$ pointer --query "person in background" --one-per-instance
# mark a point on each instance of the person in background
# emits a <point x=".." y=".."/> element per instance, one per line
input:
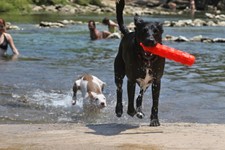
<point x="95" y="34"/>
<point x="172" y="5"/>
<point x="111" y="25"/>
<point x="192" y="7"/>
<point x="5" y="40"/>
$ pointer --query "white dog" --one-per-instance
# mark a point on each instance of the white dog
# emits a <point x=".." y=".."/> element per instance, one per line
<point x="91" y="89"/>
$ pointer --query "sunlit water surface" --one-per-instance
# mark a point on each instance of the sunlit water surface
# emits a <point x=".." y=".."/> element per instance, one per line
<point x="37" y="88"/>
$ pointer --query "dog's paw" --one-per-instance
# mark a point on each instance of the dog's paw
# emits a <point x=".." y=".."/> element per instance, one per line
<point x="119" y="109"/>
<point x="73" y="102"/>
<point x="131" y="113"/>
<point x="154" y="123"/>
<point x="140" y="115"/>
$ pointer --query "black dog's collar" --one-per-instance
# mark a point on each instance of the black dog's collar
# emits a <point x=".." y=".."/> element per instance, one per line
<point x="146" y="57"/>
<point x="146" y="60"/>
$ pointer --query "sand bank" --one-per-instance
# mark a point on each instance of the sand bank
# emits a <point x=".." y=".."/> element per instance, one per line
<point x="169" y="136"/>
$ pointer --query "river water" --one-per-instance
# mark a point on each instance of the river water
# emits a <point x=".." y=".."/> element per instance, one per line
<point x="37" y="88"/>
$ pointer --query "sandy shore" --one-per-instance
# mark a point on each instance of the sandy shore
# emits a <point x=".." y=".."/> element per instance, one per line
<point x="168" y="136"/>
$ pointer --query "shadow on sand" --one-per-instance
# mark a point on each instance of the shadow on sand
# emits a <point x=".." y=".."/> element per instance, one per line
<point x="109" y="129"/>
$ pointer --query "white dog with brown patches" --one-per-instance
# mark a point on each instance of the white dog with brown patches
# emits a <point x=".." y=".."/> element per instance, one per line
<point x="91" y="89"/>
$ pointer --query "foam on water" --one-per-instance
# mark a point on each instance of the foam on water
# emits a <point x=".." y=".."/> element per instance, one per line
<point x="54" y="98"/>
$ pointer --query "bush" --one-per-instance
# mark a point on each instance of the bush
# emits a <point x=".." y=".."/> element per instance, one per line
<point x="23" y="5"/>
<point x="82" y="2"/>
<point x="86" y="2"/>
<point x="42" y="2"/>
<point x="60" y="2"/>
<point x="14" y="5"/>
<point x="6" y="7"/>
<point x="20" y="4"/>
<point x="96" y="2"/>
<point x="49" y="2"/>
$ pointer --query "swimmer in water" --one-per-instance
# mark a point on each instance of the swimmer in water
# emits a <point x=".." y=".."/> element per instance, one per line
<point x="111" y="25"/>
<point x="5" y="40"/>
<point x="95" y="34"/>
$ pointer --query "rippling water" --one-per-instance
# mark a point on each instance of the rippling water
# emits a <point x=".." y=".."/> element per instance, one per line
<point x="37" y="88"/>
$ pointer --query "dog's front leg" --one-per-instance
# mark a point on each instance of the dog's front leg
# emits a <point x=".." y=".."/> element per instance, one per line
<point x="155" y="96"/>
<point x="119" y="70"/>
<point x="131" y="93"/>
<point x="119" y="93"/>
<point x="75" y="89"/>
<point x="139" y="100"/>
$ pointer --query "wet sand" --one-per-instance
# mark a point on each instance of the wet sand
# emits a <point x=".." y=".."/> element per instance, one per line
<point x="169" y="136"/>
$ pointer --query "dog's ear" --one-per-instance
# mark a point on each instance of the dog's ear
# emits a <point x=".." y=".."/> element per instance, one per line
<point x="137" y="20"/>
<point x="103" y="86"/>
<point x="160" y="27"/>
<point x="93" y="95"/>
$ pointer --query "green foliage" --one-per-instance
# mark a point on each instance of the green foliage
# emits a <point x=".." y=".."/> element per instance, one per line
<point x="82" y="2"/>
<point x="14" y="5"/>
<point x="96" y="2"/>
<point x="60" y="2"/>
<point x="5" y="7"/>
<point x="42" y="2"/>
<point x="86" y="2"/>
<point x="49" y="2"/>
<point x="23" y="5"/>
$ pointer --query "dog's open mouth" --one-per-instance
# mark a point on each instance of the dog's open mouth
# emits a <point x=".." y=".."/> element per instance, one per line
<point x="101" y="106"/>
<point x="145" y="45"/>
<point x="149" y="43"/>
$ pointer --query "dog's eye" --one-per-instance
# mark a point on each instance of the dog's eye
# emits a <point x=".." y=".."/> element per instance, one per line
<point x="96" y="99"/>
<point x="155" y="30"/>
<point x="145" y="30"/>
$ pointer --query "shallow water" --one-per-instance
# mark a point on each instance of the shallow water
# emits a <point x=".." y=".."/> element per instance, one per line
<point x="37" y="88"/>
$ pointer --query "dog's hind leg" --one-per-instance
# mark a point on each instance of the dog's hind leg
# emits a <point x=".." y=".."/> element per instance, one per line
<point x="119" y="70"/>
<point x="131" y="93"/>
<point x="76" y="87"/>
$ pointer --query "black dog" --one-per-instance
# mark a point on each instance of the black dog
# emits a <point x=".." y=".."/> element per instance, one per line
<point x="139" y="66"/>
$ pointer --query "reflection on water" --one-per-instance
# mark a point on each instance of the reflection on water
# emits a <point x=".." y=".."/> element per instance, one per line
<point x="37" y="88"/>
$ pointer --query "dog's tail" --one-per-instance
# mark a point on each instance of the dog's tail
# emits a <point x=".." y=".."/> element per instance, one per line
<point x="119" y="16"/>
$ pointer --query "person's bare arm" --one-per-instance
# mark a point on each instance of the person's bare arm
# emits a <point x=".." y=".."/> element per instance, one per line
<point x="113" y="23"/>
<point x="12" y="45"/>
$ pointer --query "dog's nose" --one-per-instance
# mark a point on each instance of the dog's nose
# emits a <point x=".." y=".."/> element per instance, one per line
<point x="151" y="42"/>
<point x="102" y="104"/>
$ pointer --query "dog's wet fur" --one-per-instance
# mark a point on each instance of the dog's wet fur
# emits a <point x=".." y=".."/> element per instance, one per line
<point x="91" y="88"/>
<point x="138" y="66"/>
